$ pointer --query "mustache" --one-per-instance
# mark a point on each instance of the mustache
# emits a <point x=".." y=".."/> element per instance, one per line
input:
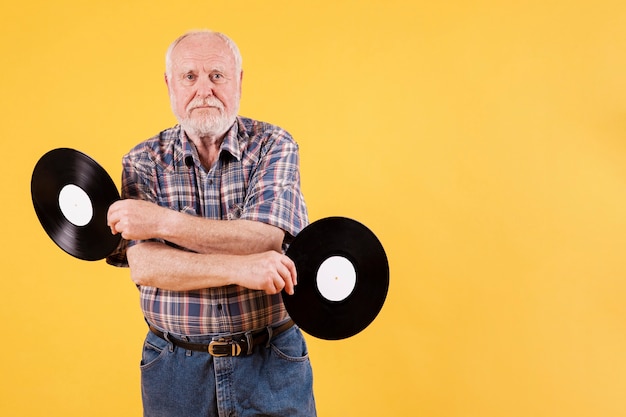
<point x="205" y="102"/>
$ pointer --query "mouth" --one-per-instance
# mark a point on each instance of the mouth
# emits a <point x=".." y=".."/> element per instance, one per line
<point x="204" y="108"/>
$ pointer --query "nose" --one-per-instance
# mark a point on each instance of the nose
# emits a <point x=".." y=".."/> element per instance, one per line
<point x="204" y="87"/>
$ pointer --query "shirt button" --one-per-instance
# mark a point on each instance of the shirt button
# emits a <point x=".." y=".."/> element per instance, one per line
<point x="219" y="307"/>
<point x="210" y="182"/>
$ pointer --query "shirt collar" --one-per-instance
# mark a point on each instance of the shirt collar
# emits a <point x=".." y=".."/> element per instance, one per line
<point x="230" y="144"/>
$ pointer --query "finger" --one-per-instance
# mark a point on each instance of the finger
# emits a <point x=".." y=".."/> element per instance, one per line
<point x="273" y="287"/>
<point x="112" y="216"/>
<point x="112" y="222"/>
<point x="279" y="282"/>
<point x="114" y="206"/>
<point x="288" y="286"/>
<point x="291" y="273"/>
<point x="286" y="277"/>
<point x="292" y="269"/>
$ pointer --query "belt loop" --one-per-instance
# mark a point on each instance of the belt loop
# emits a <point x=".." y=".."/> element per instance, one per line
<point x="270" y="332"/>
<point x="250" y="341"/>
<point x="186" y="339"/>
<point x="166" y="336"/>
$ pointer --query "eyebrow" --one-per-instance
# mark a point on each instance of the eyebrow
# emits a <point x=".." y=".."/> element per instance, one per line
<point x="187" y="70"/>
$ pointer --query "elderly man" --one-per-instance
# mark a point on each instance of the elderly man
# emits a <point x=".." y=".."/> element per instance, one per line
<point x="208" y="208"/>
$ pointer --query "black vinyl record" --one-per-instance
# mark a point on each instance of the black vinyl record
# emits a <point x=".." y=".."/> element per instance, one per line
<point x="71" y="194"/>
<point x="343" y="278"/>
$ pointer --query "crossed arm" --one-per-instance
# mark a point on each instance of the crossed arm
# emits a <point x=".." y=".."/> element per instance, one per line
<point x="241" y="252"/>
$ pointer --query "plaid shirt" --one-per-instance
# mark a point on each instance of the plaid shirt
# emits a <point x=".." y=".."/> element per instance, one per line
<point x="256" y="177"/>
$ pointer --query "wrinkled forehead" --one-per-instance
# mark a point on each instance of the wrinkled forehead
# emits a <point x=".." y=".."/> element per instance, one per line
<point x="204" y="50"/>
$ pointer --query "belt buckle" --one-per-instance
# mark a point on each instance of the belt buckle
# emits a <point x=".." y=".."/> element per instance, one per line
<point x="222" y="347"/>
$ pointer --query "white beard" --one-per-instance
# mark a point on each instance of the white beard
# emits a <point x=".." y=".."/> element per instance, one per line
<point x="209" y="125"/>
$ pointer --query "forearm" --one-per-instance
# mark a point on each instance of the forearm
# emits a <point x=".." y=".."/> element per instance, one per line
<point x="158" y="265"/>
<point x="237" y="237"/>
<point x="142" y="220"/>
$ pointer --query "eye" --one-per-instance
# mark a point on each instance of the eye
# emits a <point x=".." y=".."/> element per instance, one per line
<point x="189" y="77"/>
<point x="217" y="77"/>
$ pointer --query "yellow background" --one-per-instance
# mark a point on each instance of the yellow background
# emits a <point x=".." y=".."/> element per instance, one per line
<point x="482" y="141"/>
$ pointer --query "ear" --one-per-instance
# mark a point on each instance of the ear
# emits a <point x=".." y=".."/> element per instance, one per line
<point x="240" y="81"/>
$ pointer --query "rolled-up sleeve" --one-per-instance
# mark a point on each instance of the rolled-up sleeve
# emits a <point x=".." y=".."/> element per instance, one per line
<point x="274" y="193"/>
<point x="136" y="184"/>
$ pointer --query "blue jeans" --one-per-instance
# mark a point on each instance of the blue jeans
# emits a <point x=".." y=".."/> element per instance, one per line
<point x="275" y="380"/>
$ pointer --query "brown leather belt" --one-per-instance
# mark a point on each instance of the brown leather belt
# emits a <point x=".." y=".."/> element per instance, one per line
<point x="235" y="345"/>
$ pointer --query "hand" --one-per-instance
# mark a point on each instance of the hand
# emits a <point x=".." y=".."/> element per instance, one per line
<point x="268" y="271"/>
<point x="135" y="219"/>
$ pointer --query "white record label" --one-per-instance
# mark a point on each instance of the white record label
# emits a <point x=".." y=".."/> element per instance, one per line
<point x="336" y="278"/>
<point x="75" y="205"/>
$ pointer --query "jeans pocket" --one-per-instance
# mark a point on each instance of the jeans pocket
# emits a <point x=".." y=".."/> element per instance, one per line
<point x="290" y="346"/>
<point x="154" y="348"/>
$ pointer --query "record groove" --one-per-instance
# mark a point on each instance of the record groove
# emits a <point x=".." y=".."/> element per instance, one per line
<point x="343" y="278"/>
<point x="71" y="195"/>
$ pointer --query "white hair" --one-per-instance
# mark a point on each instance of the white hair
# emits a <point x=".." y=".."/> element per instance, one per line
<point x="231" y="45"/>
